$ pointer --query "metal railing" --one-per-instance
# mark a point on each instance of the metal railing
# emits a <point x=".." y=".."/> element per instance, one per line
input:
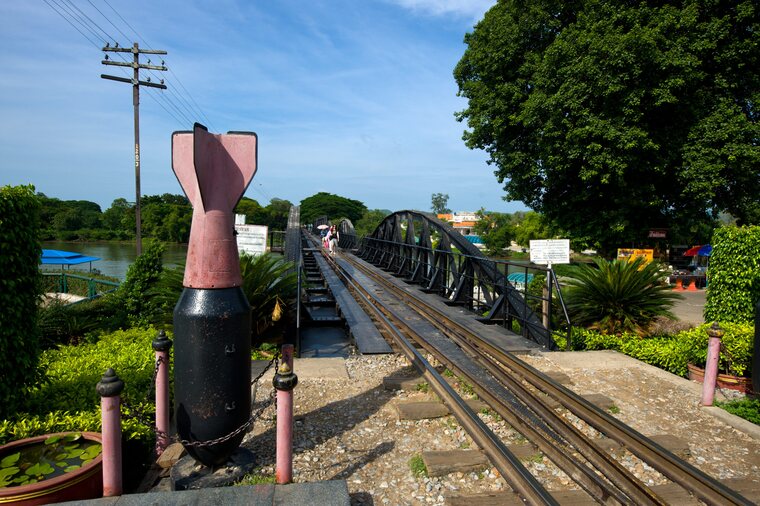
<point x="500" y="291"/>
<point x="84" y="286"/>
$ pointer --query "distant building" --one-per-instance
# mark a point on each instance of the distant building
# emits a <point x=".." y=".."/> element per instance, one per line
<point x="463" y="222"/>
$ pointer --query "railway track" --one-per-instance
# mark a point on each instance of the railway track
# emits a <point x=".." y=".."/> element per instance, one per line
<point x="520" y="394"/>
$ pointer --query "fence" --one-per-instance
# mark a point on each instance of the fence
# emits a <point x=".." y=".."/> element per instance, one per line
<point x="89" y="287"/>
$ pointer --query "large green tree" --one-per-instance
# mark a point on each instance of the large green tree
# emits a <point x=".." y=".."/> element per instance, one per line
<point x="496" y="231"/>
<point x="611" y="118"/>
<point x="369" y="221"/>
<point x="332" y="206"/>
<point x="439" y="203"/>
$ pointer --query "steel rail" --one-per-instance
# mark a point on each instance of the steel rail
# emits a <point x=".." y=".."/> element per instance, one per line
<point x="632" y="491"/>
<point x="684" y="474"/>
<point x="510" y="467"/>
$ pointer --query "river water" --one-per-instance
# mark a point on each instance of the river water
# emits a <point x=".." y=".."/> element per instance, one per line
<point x="115" y="257"/>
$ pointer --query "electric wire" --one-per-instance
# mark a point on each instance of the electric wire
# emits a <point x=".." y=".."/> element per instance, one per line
<point x="69" y="22"/>
<point x="73" y="5"/>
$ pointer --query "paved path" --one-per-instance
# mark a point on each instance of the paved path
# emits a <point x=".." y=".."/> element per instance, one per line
<point x="690" y="308"/>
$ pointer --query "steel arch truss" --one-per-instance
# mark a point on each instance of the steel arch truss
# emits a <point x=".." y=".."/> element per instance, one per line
<point x="347" y="235"/>
<point x="423" y="250"/>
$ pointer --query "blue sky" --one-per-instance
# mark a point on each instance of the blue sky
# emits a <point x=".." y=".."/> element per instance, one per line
<point x="351" y="97"/>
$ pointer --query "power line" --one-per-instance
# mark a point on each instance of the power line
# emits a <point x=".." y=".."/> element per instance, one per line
<point x="69" y="22"/>
<point x="109" y="20"/>
<point x="90" y="20"/>
<point x="170" y="113"/>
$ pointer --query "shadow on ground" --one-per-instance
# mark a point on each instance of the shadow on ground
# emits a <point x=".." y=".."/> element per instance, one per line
<point x="328" y="422"/>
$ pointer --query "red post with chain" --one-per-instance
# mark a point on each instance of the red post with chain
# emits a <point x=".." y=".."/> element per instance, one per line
<point x="285" y="381"/>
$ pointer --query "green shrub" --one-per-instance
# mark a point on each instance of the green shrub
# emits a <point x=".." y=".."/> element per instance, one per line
<point x="734" y="275"/>
<point x="673" y="353"/>
<point x="618" y="296"/>
<point x="141" y="276"/>
<point x="20" y="287"/>
<point x="736" y="347"/>
<point x="65" y="398"/>
<point x="69" y="324"/>
<point x="747" y="408"/>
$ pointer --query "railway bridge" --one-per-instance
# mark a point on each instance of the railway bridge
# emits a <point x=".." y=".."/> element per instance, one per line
<point x="417" y="287"/>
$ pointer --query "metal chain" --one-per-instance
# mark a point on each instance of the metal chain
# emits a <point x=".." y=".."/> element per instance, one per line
<point x="251" y="419"/>
<point x="141" y="417"/>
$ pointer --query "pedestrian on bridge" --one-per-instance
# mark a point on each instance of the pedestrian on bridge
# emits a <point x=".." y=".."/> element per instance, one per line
<point x="333" y="237"/>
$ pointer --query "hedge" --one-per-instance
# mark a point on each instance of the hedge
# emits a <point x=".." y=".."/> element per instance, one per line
<point x="734" y="275"/>
<point x="673" y="353"/>
<point x="19" y="291"/>
<point x="65" y="398"/>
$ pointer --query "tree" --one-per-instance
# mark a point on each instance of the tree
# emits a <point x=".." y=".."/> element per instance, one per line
<point x="249" y="207"/>
<point x="332" y="206"/>
<point x="119" y="218"/>
<point x="369" y="221"/>
<point x="612" y="118"/>
<point x="529" y="226"/>
<point x="495" y="229"/>
<point x="438" y="203"/>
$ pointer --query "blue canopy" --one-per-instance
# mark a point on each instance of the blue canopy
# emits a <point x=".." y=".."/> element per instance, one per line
<point x="58" y="257"/>
<point x="704" y="251"/>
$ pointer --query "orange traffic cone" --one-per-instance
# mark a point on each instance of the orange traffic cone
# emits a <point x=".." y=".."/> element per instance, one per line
<point x="679" y="284"/>
<point x="692" y="285"/>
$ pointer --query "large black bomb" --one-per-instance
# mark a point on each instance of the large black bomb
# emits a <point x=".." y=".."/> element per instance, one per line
<point x="212" y="319"/>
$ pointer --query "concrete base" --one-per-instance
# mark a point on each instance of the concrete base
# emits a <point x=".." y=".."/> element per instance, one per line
<point x="188" y="474"/>
<point x="323" y="493"/>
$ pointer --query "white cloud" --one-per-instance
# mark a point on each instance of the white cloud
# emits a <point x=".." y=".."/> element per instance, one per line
<point x="466" y="8"/>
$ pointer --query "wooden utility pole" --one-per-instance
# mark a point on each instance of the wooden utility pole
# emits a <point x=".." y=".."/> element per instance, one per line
<point x="136" y="83"/>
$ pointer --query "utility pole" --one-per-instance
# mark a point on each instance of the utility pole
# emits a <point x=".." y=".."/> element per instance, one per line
<point x="136" y="83"/>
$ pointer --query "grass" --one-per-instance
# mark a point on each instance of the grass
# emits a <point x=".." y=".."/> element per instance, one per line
<point x="423" y="387"/>
<point x="614" y="409"/>
<point x="746" y="408"/>
<point x="538" y="458"/>
<point x="417" y="465"/>
<point x="256" y="478"/>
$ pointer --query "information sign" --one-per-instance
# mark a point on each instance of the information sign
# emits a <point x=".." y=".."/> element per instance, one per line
<point x="550" y="251"/>
<point x="252" y="239"/>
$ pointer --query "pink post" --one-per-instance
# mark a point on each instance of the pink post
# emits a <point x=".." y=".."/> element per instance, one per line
<point x="711" y="367"/>
<point x="162" y="345"/>
<point x="109" y="387"/>
<point x="284" y="381"/>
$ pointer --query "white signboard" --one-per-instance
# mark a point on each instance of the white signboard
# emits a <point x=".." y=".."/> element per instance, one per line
<point x="550" y="251"/>
<point x="252" y="238"/>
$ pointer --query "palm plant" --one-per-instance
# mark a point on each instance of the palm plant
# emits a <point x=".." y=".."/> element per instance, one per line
<point x="267" y="280"/>
<point x="618" y="296"/>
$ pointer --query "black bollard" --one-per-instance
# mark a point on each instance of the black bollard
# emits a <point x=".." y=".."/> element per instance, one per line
<point x="212" y="322"/>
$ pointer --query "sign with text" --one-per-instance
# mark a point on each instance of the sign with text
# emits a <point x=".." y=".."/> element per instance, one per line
<point x="632" y="253"/>
<point x="550" y="251"/>
<point x="252" y="239"/>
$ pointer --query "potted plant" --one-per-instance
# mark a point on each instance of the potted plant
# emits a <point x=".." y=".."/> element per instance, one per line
<point x="734" y="365"/>
<point x="65" y="466"/>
